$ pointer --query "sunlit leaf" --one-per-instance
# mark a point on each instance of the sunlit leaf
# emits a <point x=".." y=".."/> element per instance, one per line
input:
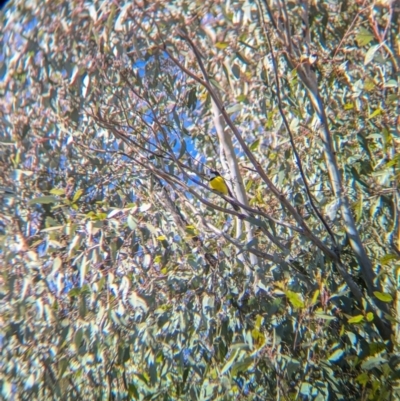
<point x="336" y="355"/>
<point x="383" y="297"/>
<point x="43" y="200"/>
<point x="356" y="319"/>
<point x="371" y="53"/>
<point x="363" y="37"/>
<point x="295" y="299"/>
<point x="221" y="45"/>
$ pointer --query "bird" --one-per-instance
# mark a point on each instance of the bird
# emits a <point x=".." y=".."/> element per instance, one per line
<point x="217" y="183"/>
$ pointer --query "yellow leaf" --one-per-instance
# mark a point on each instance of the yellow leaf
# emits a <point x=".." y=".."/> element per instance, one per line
<point x="77" y="195"/>
<point x="259" y="320"/>
<point x="375" y="113"/>
<point x="348" y="106"/>
<point x="370" y="316"/>
<point x="356" y="319"/>
<point x="384" y="297"/>
<point x="315" y="297"/>
<point x="362" y="378"/>
<point x="57" y="191"/>
<point x="295" y="299"/>
<point x="221" y="45"/>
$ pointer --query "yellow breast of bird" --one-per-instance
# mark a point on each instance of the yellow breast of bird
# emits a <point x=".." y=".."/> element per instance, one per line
<point x="218" y="184"/>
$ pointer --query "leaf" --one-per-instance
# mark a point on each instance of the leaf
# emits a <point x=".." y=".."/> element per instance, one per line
<point x="74" y="292"/>
<point x="392" y="83"/>
<point x="348" y="106"/>
<point x="233" y="109"/>
<point x="57" y="263"/>
<point x="62" y="366"/>
<point x="132" y="391"/>
<point x="324" y="316"/>
<point x="113" y="213"/>
<point x="356" y="319"/>
<point x="145" y="207"/>
<point x="57" y="191"/>
<point x="44" y="200"/>
<point x="241" y="366"/>
<point x="363" y="37"/>
<point x="371" y="53"/>
<point x="336" y="355"/>
<point x="369" y="84"/>
<point x="221" y="45"/>
<point x="370" y="316"/>
<point x="77" y="195"/>
<point x="372" y="362"/>
<point x="315" y="297"/>
<point x="358" y="208"/>
<point x="78" y="338"/>
<point x="255" y="144"/>
<point x="377" y="112"/>
<point x="384" y="297"/>
<point x="132" y="223"/>
<point x="363" y="378"/>
<point x="295" y="299"/>
<point x="388" y="258"/>
<point x="230" y="361"/>
<point x="138" y="302"/>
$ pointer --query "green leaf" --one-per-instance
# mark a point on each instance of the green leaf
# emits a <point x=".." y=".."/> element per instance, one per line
<point x="62" y="366"/>
<point x="315" y="297"/>
<point x="363" y="378"/>
<point x="384" y="297"/>
<point x="358" y="208"/>
<point x="138" y="302"/>
<point x="233" y="109"/>
<point x="44" y="200"/>
<point x="74" y="292"/>
<point x="78" y="338"/>
<point x="371" y="53"/>
<point x="221" y="45"/>
<point x="132" y="391"/>
<point x="392" y="83"/>
<point x="388" y="258"/>
<point x="132" y="223"/>
<point x="336" y="355"/>
<point x="356" y="319"/>
<point x="363" y="37"/>
<point x="57" y="263"/>
<point x="241" y="366"/>
<point x="370" y="316"/>
<point x="57" y="191"/>
<point x="377" y="112"/>
<point x="77" y="195"/>
<point x="295" y="299"/>
<point x="373" y="362"/>
<point x="230" y="361"/>
<point x="254" y="146"/>
<point x="324" y="316"/>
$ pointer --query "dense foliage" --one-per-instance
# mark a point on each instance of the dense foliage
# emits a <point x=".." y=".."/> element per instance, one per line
<point x="124" y="276"/>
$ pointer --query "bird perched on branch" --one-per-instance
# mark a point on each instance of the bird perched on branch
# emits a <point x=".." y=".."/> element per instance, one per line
<point x="217" y="183"/>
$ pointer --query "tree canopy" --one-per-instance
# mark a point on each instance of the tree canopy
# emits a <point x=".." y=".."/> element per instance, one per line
<point x="124" y="276"/>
